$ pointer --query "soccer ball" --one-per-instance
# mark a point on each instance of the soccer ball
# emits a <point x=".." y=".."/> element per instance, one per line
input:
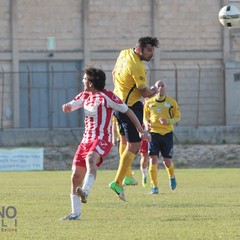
<point x="229" y="16"/>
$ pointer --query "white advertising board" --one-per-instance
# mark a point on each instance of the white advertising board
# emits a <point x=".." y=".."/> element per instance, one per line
<point x="21" y="159"/>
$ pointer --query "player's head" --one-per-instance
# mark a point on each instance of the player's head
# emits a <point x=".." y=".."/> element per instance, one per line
<point x="144" y="41"/>
<point x="95" y="77"/>
<point x="161" y="88"/>
<point x="145" y="47"/>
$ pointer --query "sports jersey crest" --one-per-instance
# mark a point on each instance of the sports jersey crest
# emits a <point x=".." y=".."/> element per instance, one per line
<point x="103" y="144"/>
<point x="167" y="104"/>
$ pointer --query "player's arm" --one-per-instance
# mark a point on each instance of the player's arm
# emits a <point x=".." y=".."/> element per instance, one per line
<point x="76" y="103"/>
<point x="115" y="103"/>
<point x="169" y="120"/>
<point x="139" y="77"/>
<point x="146" y="117"/>
<point x="176" y="116"/>
<point x="148" y="91"/>
<point x="114" y="132"/>
<point x="66" y="107"/>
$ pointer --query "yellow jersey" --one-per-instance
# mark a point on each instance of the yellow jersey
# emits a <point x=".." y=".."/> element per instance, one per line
<point x="129" y="77"/>
<point x="156" y="108"/>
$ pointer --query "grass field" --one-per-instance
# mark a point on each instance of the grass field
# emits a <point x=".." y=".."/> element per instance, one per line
<point x="206" y="205"/>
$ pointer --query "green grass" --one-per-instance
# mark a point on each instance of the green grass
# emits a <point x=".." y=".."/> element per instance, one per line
<point x="205" y="205"/>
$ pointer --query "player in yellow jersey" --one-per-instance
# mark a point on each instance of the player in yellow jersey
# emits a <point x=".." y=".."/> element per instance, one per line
<point x="161" y="112"/>
<point x="143" y="152"/>
<point x="130" y="85"/>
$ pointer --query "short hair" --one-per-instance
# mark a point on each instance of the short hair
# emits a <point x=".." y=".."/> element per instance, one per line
<point x="97" y="77"/>
<point x="143" y="41"/>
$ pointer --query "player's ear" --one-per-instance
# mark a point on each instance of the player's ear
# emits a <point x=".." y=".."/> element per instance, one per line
<point x="138" y="49"/>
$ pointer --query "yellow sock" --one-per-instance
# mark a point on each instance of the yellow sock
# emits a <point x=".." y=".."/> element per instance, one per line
<point x="129" y="172"/>
<point x="125" y="163"/>
<point x="153" y="171"/>
<point x="170" y="170"/>
<point x="122" y="147"/>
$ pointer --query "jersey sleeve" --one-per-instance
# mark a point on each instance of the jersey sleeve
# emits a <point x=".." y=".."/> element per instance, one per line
<point x="139" y="75"/>
<point x="176" y="114"/>
<point x="77" y="102"/>
<point x="114" y="102"/>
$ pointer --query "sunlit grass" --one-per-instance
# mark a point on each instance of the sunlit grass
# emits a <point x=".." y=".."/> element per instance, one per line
<point x="205" y="205"/>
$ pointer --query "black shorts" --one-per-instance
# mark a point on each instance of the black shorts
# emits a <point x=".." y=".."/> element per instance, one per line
<point x="161" y="143"/>
<point x="126" y="127"/>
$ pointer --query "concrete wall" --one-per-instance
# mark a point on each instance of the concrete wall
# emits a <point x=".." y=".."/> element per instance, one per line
<point x="193" y="46"/>
<point x="69" y="137"/>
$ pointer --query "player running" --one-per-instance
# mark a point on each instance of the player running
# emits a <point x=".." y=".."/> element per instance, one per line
<point x="98" y="104"/>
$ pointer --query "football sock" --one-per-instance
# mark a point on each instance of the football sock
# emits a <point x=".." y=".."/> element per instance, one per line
<point x="75" y="204"/>
<point x="144" y="171"/>
<point x="125" y="163"/>
<point x="88" y="182"/>
<point x="170" y="170"/>
<point x="129" y="172"/>
<point x="122" y="147"/>
<point x="153" y="171"/>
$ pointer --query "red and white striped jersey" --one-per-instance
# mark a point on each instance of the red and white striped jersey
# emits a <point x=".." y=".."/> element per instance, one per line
<point x="98" y="109"/>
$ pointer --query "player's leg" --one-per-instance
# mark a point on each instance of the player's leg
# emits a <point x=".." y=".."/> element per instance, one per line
<point x="128" y="180"/>
<point x="167" y="153"/>
<point x="96" y="151"/>
<point x="154" y="149"/>
<point x="153" y="173"/>
<point x="122" y="146"/>
<point x="133" y="145"/>
<point x="133" y="141"/>
<point x="144" y="168"/>
<point x="125" y="163"/>
<point x="91" y="161"/>
<point x="169" y="166"/>
<point x="127" y="157"/>
<point x="78" y="174"/>
<point x="126" y="160"/>
<point x="144" y="162"/>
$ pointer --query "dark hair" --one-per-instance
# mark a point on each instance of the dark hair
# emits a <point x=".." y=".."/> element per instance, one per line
<point x="143" y="41"/>
<point x="97" y="77"/>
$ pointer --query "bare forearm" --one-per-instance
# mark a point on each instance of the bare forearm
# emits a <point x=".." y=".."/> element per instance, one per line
<point x="149" y="91"/>
<point x="169" y="121"/>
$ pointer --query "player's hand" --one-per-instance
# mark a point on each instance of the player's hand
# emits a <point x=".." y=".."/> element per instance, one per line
<point x="66" y="107"/>
<point x="148" y="127"/>
<point x="114" y="140"/>
<point x="163" y="120"/>
<point x="154" y="90"/>
<point x="145" y="135"/>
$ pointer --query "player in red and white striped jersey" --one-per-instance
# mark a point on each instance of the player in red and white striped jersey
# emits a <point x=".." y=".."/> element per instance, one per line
<point x="98" y="104"/>
<point x="98" y="113"/>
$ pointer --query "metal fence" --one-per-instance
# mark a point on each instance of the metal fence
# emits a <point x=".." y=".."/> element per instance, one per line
<point x="199" y="91"/>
